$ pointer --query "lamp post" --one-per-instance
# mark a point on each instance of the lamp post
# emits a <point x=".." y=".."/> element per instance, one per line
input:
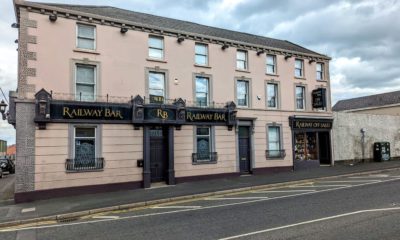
<point x="3" y="107"/>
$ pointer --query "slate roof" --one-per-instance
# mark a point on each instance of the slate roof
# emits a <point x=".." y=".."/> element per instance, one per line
<point x="377" y="100"/>
<point x="184" y="26"/>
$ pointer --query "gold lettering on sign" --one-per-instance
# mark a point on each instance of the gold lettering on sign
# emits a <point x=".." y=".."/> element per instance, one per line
<point x="162" y="114"/>
<point x="95" y="113"/>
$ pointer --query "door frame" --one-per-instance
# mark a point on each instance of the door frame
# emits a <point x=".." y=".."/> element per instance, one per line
<point x="170" y="179"/>
<point x="245" y="122"/>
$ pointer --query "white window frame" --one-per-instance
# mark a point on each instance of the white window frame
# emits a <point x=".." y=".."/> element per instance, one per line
<point x="245" y="61"/>
<point x="161" y="49"/>
<point x="301" y="69"/>
<point x="200" y="54"/>
<point x="276" y="87"/>
<point x="319" y="74"/>
<point x="77" y="95"/>
<point x="149" y="86"/>
<point x="303" y="98"/>
<point x="273" y="65"/>
<point x="208" y="91"/>
<point x="79" y="37"/>
<point x="247" y="93"/>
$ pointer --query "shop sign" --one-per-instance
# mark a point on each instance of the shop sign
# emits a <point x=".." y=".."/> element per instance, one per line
<point x="319" y="98"/>
<point x="194" y="115"/>
<point x="95" y="112"/>
<point x="311" y="123"/>
<point x="159" y="114"/>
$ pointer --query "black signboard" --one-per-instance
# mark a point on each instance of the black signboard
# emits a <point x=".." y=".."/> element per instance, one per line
<point x="319" y="98"/>
<point x="206" y="115"/>
<point x="159" y="114"/>
<point x="308" y="123"/>
<point x="81" y="111"/>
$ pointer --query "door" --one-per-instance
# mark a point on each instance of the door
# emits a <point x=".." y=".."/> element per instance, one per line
<point x="244" y="149"/>
<point x="158" y="154"/>
<point x="324" y="148"/>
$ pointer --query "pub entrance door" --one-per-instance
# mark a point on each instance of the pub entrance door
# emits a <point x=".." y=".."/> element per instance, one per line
<point x="158" y="153"/>
<point x="244" y="149"/>
<point x="324" y="148"/>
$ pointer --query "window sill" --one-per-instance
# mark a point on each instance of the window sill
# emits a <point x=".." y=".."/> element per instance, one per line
<point x="202" y="66"/>
<point x="242" y="107"/>
<point x="80" y="50"/>
<point x="201" y="162"/>
<point x="322" y="81"/>
<point x="273" y="109"/>
<point x="242" y="70"/>
<point x="300" y="78"/>
<point x="271" y="74"/>
<point x="83" y="171"/>
<point x="300" y="110"/>
<point x="156" y="60"/>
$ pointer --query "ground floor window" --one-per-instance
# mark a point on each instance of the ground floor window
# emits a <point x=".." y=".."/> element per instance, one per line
<point x="274" y="141"/>
<point x="306" y="147"/>
<point x="203" y="145"/>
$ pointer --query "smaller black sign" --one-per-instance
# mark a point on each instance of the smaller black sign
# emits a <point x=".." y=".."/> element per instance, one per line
<point x="304" y="123"/>
<point x="159" y="114"/>
<point x="319" y="98"/>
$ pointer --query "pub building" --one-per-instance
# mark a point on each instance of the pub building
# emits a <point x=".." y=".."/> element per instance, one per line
<point x="111" y="99"/>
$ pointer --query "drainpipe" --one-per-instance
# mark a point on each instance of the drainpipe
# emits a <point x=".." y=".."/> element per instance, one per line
<point x="363" y="131"/>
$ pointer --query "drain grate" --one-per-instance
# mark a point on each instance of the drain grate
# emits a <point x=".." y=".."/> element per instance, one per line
<point x="67" y="220"/>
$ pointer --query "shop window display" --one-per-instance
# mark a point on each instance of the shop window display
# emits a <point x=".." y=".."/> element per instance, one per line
<point x="306" y="146"/>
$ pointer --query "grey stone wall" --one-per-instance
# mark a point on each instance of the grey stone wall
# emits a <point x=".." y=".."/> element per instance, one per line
<point x="347" y="134"/>
<point x="25" y="144"/>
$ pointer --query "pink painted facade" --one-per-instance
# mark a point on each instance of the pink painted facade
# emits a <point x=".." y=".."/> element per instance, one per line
<point x="122" y="64"/>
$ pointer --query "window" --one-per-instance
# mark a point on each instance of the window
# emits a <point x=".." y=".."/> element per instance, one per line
<point x="156" y="87"/>
<point x="84" y="150"/>
<point x="271" y="64"/>
<point x="202" y="91"/>
<point x="201" y="54"/>
<point x="204" y="146"/>
<point x="274" y="141"/>
<point x="85" y="80"/>
<point x="241" y="59"/>
<point x="299" y="68"/>
<point x="242" y="93"/>
<point x="272" y="95"/>
<point x="320" y="71"/>
<point x="86" y="37"/>
<point x="156" y="47"/>
<point x="300" y="100"/>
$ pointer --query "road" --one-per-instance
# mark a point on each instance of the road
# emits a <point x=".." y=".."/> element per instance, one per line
<point x="358" y="207"/>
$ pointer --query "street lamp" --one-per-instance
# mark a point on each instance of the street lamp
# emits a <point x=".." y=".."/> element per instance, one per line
<point x="3" y="107"/>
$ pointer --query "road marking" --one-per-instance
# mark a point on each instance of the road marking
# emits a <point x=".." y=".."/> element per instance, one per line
<point x="350" y="181"/>
<point x="234" y="198"/>
<point x="284" y="191"/>
<point x="183" y="207"/>
<point x="187" y="210"/>
<point x="320" y="186"/>
<point x="311" y="221"/>
<point x="105" y="217"/>
<point x="26" y="210"/>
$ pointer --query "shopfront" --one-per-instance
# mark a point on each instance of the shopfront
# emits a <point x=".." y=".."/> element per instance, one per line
<point x="311" y="141"/>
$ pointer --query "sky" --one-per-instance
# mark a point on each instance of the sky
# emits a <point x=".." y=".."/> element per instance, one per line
<point x="361" y="37"/>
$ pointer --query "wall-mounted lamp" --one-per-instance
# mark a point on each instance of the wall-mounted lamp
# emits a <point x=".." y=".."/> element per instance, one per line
<point x="258" y="97"/>
<point x="288" y="56"/>
<point x="124" y="30"/>
<point x="181" y="39"/>
<point x="311" y="61"/>
<point x="53" y="18"/>
<point x="3" y="107"/>
<point x="260" y="52"/>
<point x="225" y="46"/>
<point x="15" y="25"/>
<point x="16" y="41"/>
<point x="176" y="81"/>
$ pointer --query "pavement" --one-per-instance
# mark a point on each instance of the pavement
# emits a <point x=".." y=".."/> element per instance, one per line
<point x="7" y="187"/>
<point x="77" y="206"/>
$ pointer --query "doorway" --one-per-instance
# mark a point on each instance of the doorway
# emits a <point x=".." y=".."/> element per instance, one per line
<point x="324" y="148"/>
<point x="244" y="149"/>
<point x="158" y="153"/>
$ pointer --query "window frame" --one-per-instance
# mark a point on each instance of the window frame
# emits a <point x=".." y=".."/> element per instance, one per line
<point x="94" y="36"/>
<point x="212" y="148"/>
<point x="248" y="81"/>
<point x="281" y="149"/>
<point x="274" y="66"/>
<point x="151" y="71"/>
<point x="159" y="49"/>
<point x="301" y="69"/>
<point x="245" y="61"/>
<point x="77" y="95"/>
<point x="304" y="97"/>
<point x="202" y="55"/>
<point x="208" y="91"/>
<point x="277" y="95"/>
<point x="322" y="72"/>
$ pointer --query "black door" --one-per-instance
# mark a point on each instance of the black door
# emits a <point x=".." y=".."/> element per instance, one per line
<point x="244" y="149"/>
<point x="158" y="154"/>
<point x="324" y="148"/>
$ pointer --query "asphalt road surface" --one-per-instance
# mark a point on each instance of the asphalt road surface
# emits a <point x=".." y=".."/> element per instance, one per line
<point x="359" y="207"/>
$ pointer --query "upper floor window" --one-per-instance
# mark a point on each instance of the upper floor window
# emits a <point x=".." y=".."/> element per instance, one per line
<point x="271" y="64"/>
<point x="320" y="71"/>
<point x="201" y="54"/>
<point x="156" y="87"/>
<point x="202" y="91"/>
<point x="300" y="98"/>
<point x="299" y="68"/>
<point x="241" y="60"/>
<point x="85" y="80"/>
<point x="86" y="37"/>
<point x="156" y="47"/>
<point x="272" y="95"/>
<point x="242" y="93"/>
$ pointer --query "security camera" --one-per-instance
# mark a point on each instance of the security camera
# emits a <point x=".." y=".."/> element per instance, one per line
<point x="258" y="97"/>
